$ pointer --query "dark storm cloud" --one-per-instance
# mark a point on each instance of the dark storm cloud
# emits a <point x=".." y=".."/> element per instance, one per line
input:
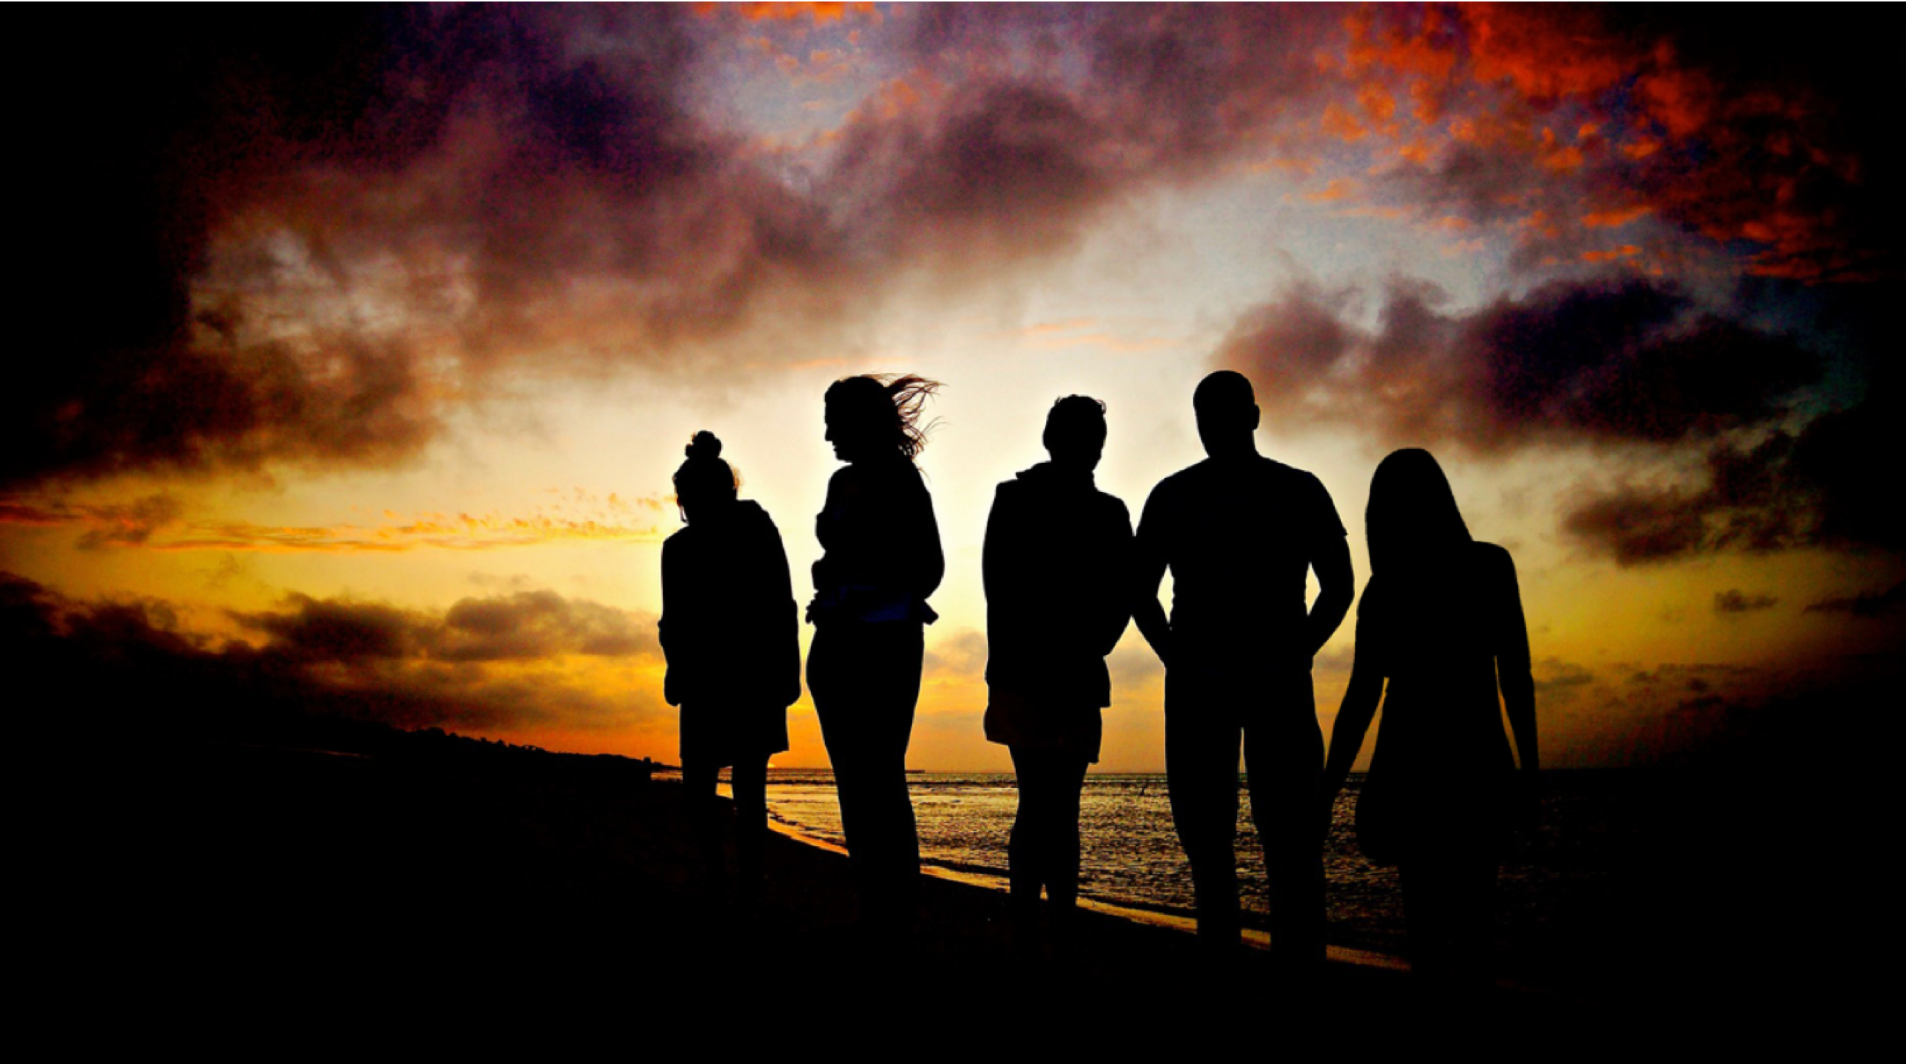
<point x="1824" y="484"/>
<point x="532" y="624"/>
<point x="1878" y="602"/>
<point x="1621" y="359"/>
<point x="314" y="630"/>
<point x="1612" y="364"/>
<point x="1031" y="121"/>
<point x="1770" y="133"/>
<point x="132" y="664"/>
<point x="227" y="211"/>
<point x="522" y="626"/>
<point x="529" y="147"/>
<point x="219" y="196"/>
<point x="1733" y="600"/>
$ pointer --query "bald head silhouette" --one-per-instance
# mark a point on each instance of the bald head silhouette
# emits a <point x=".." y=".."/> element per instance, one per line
<point x="1227" y="414"/>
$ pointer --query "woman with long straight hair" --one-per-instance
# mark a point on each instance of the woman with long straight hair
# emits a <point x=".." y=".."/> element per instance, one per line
<point x="732" y="643"/>
<point x="882" y="560"/>
<point x="1441" y="621"/>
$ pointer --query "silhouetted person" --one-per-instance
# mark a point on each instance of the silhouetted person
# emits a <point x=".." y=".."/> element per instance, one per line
<point x="731" y="636"/>
<point x="1441" y="620"/>
<point x="882" y="560"/>
<point x="1240" y="533"/>
<point x="1058" y="552"/>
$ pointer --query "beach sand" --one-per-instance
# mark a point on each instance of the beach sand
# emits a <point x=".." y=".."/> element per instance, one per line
<point x="253" y="875"/>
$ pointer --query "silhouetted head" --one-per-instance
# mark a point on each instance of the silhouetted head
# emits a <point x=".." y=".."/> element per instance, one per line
<point x="704" y="483"/>
<point x="1075" y="432"/>
<point x="1412" y="516"/>
<point x="1227" y="414"/>
<point x="875" y="415"/>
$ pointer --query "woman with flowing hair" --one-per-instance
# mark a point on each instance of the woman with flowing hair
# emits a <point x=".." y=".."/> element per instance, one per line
<point x="1058" y="597"/>
<point x="882" y="559"/>
<point x="732" y="641"/>
<point x="1441" y="621"/>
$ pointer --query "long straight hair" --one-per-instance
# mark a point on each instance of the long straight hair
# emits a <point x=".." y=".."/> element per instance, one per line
<point x="1412" y="516"/>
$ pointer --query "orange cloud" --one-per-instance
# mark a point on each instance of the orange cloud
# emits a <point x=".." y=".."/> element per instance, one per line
<point x="155" y="524"/>
<point x="1337" y="188"/>
<point x="1611" y="219"/>
<point x="817" y="13"/>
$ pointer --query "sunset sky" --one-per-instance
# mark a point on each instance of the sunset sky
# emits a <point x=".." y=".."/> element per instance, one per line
<point x="360" y="344"/>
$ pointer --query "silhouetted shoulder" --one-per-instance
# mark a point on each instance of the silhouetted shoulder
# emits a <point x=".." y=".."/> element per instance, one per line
<point x="755" y="518"/>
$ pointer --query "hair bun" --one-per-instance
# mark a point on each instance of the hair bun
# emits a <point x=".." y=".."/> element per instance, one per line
<point x="705" y="445"/>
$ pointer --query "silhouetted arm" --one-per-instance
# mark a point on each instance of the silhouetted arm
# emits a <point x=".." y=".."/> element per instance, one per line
<point x="673" y="670"/>
<point x="785" y="619"/>
<point x="1117" y="612"/>
<point x="1148" y="568"/>
<point x="1000" y="578"/>
<point x="1335" y="587"/>
<point x="1518" y="687"/>
<point x="929" y="562"/>
<point x="1359" y="705"/>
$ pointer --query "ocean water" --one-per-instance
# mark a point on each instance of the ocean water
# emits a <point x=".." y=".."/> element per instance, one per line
<point x="1553" y="889"/>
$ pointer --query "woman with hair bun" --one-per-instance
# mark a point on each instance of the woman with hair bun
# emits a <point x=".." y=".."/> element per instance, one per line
<point x="731" y="637"/>
<point x="1441" y="621"/>
<point x="882" y="560"/>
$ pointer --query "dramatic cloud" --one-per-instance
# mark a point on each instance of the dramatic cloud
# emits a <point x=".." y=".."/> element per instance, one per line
<point x="1811" y="487"/>
<point x="159" y="522"/>
<point x="519" y="626"/>
<point x="1734" y="601"/>
<point x="132" y="666"/>
<point x="1614" y="363"/>
<point x="1561" y="121"/>
<point x="1621" y="359"/>
<point x="259" y="238"/>
<point x="1867" y="604"/>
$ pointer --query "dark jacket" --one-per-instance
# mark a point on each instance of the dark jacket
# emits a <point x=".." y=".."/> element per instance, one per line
<point x="730" y="629"/>
<point x="883" y="546"/>
<point x="1057" y="555"/>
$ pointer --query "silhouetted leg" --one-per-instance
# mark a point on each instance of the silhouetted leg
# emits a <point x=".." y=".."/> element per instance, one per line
<point x="1284" y="758"/>
<point x="704" y="813"/>
<point x="1024" y="851"/>
<point x="1062" y="877"/>
<point x="1044" y="847"/>
<point x="1201" y="773"/>
<point x="749" y="777"/>
<point x="866" y="680"/>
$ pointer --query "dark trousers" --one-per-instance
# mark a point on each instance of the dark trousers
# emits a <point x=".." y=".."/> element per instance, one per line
<point x="1044" y="848"/>
<point x="865" y="679"/>
<point x="1284" y="757"/>
<point x="749" y="779"/>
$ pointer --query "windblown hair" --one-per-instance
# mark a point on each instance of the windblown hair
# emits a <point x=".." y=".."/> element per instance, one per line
<point x="1412" y="516"/>
<point x="704" y="474"/>
<point x="890" y="405"/>
<point x="1072" y="417"/>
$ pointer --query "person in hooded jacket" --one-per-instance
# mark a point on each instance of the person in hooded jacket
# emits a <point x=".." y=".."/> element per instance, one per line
<point x="1057" y="600"/>
<point x="730" y="633"/>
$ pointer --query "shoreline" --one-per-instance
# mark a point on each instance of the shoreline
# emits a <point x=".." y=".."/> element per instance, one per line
<point x="298" y="871"/>
<point x="1169" y="920"/>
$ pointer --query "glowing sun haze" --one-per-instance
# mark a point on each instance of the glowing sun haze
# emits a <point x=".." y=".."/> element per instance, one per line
<point x="362" y="343"/>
